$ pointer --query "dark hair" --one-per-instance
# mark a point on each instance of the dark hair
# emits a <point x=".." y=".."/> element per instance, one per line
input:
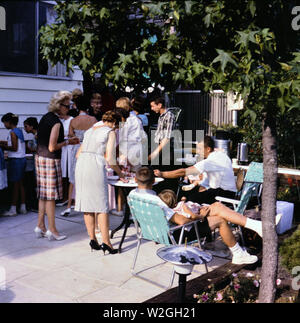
<point x="209" y="142"/>
<point x="168" y="197"/>
<point x="81" y="103"/>
<point x="138" y="105"/>
<point x="122" y="112"/>
<point x="145" y="176"/>
<point x="32" y="122"/>
<point x="159" y="100"/>
<point x="11" y="118"/>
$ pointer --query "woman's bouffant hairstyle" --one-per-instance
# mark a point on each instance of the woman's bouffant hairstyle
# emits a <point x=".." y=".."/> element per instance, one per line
<point x="110" y="116"/>
<point x="11" y="118"/>
<point x="57" y="99"/>
<point x="32" y="122"/>
<point x="169" y="197"/>
<point x="82" y="103"/>
<point x="124" y="103"/>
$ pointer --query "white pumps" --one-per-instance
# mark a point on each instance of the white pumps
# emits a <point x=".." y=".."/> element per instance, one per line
<point x="51" y="236"/>
<point x="39" y="233"/>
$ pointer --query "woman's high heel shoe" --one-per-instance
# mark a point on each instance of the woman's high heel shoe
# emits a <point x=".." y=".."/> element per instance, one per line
<point x="105" y="248"/>
<point x="51" y="236"/>
<point x="95" y="245"/>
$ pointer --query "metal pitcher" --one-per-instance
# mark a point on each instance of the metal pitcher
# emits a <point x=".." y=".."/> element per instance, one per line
<point x="242" y="153"/>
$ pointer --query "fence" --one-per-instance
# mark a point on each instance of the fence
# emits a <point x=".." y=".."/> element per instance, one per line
<point x="197" y="107"/>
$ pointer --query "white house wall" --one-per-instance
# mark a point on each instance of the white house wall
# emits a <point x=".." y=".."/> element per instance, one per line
<point x="28" y="96"/>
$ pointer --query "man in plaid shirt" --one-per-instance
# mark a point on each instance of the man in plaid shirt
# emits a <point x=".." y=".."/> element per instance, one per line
<point x="163" y="135"/>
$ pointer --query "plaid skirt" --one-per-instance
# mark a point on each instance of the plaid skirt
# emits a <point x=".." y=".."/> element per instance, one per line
<point x="49" y="178"/>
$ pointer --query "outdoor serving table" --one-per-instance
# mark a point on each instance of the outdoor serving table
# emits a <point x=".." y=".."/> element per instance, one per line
<point x="126" y="188"/>
<point x="282" y="172"/>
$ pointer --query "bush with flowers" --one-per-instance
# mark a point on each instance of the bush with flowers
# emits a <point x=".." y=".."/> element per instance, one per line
<point x="241" y="289"/>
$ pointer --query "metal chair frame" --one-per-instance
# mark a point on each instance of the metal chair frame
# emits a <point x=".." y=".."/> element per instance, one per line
<point x="152" y="225"/>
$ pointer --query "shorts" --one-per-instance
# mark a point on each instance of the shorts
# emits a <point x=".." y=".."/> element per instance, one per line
<point x="49" y="178"/>
<point x="16" y="169"/>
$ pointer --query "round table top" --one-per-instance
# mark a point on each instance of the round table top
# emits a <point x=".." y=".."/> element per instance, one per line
<point x="114" y="181"/>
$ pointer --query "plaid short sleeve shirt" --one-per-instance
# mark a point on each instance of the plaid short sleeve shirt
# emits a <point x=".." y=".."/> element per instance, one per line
<point x="166" y="123"/>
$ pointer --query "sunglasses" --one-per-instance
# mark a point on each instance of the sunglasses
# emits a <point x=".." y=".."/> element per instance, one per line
<point x="65" y="105"/>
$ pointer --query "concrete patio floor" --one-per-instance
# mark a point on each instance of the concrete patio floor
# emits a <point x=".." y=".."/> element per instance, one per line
<point x="40" y="271"/>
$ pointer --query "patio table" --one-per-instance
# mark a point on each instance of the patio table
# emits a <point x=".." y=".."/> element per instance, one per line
<point x="282" y="172"/>
<point x="126" y="188"/>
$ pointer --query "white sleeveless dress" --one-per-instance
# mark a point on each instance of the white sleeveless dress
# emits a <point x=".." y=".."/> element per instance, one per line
<point x="90" y="173"/>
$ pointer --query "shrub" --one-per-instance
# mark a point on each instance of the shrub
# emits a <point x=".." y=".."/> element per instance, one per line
<point x="290" y="251"/>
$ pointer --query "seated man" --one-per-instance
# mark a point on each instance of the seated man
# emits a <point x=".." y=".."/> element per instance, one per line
<point x="213" y="216"/>
<point x="219" y="175"/>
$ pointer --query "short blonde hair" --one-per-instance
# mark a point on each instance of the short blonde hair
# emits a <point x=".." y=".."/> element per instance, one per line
<point x="124" y="103"/>
<point x="57" y="99"/>
<point x="169" y="197"/>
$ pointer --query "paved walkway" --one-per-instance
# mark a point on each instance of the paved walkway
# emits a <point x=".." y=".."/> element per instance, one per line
<point x="38" y="270"/>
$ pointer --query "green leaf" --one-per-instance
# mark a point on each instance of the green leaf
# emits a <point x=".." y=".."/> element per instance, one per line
<point x="252" y="7"/>
<point x="163" y="59"/>
<point x="84" y="63"/>
<point x="224" y="58"/>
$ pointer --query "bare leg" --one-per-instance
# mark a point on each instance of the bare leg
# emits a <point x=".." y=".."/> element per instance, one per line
<point x="225" y="231"/>
<point x="50" y="210"/>
<point x="222" y="211"/>
<point x="71" y="186"/>
<point x="103" y="221"/>
<point x="89" y="219"/>
<point x="41" y="216"/>
<point x="120" y="200"/>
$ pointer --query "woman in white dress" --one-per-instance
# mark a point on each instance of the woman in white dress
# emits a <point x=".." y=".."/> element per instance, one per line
<point x="98" y="147"/>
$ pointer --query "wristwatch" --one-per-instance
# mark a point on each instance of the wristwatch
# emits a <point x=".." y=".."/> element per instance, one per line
<point x="67" y="142"/>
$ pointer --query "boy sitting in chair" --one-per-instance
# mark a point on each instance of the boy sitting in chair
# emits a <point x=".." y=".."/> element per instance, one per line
<point x="213" y="216"/>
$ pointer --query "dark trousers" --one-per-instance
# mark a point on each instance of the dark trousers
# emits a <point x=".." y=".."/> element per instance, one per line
<point x="208" y="196"/>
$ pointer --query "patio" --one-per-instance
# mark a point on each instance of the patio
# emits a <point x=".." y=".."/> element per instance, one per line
<point x="38" y="270"/>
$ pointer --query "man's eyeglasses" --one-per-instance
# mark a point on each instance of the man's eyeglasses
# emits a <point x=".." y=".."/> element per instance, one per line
<point x="65" y="105"/>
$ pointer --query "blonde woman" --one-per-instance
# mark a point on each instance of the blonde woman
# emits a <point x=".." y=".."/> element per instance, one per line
<point x="50" y="140"/>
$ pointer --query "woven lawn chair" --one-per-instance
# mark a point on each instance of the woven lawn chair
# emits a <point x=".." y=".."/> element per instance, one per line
<point x="151" y="224"/>
<point x="252" y="187"/>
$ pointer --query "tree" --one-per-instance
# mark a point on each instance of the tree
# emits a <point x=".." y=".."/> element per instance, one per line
<point x="233" y="46"/>
<point x="245" y="46"/>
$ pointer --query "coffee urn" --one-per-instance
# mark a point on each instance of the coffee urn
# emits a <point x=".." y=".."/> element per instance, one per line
<point x="242" y="153"/>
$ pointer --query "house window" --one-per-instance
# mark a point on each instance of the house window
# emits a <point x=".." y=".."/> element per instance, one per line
<point x="20" y="42"/>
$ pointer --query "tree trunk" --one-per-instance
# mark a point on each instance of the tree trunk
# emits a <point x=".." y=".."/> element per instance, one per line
<point x="270" y="240"/>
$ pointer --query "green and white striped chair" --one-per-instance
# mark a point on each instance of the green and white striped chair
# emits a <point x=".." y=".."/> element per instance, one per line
<point x="252" y="187"/>
<point x="151" y="224"/>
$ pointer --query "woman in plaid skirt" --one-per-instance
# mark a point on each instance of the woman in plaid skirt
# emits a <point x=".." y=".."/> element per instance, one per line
<point x="50" y="140"/>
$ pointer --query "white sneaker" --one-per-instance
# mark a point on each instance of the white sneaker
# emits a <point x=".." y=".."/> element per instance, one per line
<point x="243" y="257"/>
<point x="9" y="213"/>
<point x="66" y="212"/>
<point x="23" y="211"/>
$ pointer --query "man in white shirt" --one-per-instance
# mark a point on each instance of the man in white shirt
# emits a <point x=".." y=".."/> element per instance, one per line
<point x="214" y="216"/>
<point x="219" y="180"/>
